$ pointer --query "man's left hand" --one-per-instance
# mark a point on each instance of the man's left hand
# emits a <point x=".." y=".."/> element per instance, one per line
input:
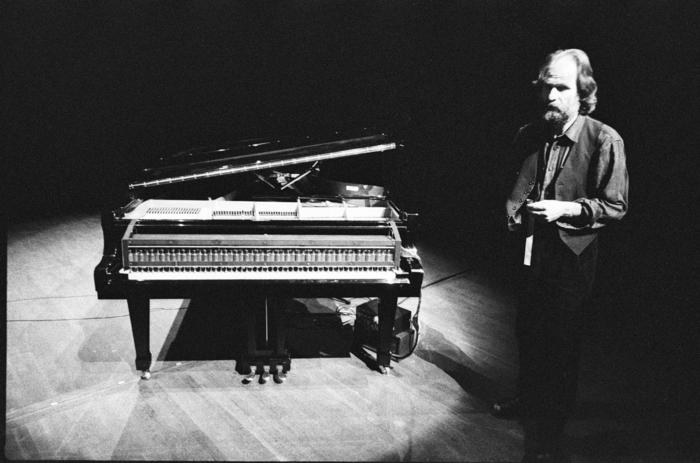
<point x="551" y="210"/>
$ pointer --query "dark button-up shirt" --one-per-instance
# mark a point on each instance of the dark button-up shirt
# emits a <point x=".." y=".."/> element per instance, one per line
<point x="589" y="168"/>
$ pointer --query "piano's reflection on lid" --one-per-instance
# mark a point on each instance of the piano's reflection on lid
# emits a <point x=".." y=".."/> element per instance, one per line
<point x="284" y="232"/>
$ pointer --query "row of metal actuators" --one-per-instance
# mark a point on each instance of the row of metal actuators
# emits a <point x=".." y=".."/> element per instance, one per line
<point x="225" y="256"/>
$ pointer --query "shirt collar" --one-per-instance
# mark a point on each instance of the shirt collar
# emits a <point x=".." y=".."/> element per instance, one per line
<point x="574" y="129"/>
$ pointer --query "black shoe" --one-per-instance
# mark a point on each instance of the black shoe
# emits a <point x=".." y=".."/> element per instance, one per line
<point x="509" y="408"/>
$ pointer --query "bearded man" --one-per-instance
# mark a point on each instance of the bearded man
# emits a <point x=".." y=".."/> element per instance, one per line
<point x="572" y="182"/>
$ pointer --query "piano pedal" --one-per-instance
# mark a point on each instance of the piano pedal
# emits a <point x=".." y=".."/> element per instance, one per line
<point x="279" y="376"/>
<point x="264" y="376"/>
<point x="145" y="375"/>
<point x="250" y="376"/>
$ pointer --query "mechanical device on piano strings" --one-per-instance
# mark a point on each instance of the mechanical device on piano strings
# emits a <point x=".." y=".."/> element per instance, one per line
<point x="152" y="251"/>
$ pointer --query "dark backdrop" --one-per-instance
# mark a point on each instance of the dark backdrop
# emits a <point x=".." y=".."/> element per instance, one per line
<point x="93" y="90"/>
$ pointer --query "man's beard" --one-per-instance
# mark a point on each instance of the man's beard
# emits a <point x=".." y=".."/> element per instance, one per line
<point x="555" y="119"/>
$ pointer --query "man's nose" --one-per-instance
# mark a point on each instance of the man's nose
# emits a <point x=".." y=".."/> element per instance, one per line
<point x="553" y="94"/>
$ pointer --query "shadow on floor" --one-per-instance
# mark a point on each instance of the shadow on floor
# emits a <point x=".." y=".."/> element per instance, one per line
<point x="436" y="349"/>
<point x="212" y="328"/>
<point x="209" y="329"/>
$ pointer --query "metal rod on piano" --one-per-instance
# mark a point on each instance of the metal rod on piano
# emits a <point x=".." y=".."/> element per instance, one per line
<point x="267" y="322"/>
<point x="300" y="177"/>
<point x="264" y="180"/>
<point x="267" y="165"/>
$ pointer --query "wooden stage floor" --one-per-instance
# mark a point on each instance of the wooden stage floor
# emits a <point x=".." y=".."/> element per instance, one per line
<point x="72" y="391"/>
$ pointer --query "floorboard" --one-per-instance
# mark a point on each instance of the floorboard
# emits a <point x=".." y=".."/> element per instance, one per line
<point x="72" y="392"/>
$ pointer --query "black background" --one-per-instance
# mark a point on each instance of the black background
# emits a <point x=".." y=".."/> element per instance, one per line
<point x="94" y="90"/>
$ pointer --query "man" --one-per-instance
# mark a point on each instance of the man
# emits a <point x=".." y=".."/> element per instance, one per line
<point x="573" y="181"/>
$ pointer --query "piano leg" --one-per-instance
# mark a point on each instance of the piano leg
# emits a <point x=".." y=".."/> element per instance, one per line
<point x="387" y="313"/>
<point x="139" y="314"/>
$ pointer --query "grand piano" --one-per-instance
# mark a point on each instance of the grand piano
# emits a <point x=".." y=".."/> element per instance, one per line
<point x="257" y="218"/>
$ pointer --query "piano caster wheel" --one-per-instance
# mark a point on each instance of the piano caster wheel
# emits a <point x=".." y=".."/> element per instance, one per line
<point x="382" y="369"/>
<point x="250" y="376"/>
<point x="264" y="376"/>
<point x="145" y="375"/>
<point x="279" y="376"/>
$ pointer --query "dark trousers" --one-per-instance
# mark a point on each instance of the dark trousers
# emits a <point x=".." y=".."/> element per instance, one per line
<point x="549" y="328"/>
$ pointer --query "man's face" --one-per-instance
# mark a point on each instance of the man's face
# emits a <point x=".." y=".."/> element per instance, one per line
<point x="559" y="92"/>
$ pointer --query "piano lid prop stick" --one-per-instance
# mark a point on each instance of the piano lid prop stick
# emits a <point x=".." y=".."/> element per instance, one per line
<point x="301" y="176"/>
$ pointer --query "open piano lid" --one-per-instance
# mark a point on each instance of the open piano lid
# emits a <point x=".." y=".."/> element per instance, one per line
<point x="255" y="155"/>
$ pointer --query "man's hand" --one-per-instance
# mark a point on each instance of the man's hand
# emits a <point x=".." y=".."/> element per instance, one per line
<point x="551" y="210"/>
